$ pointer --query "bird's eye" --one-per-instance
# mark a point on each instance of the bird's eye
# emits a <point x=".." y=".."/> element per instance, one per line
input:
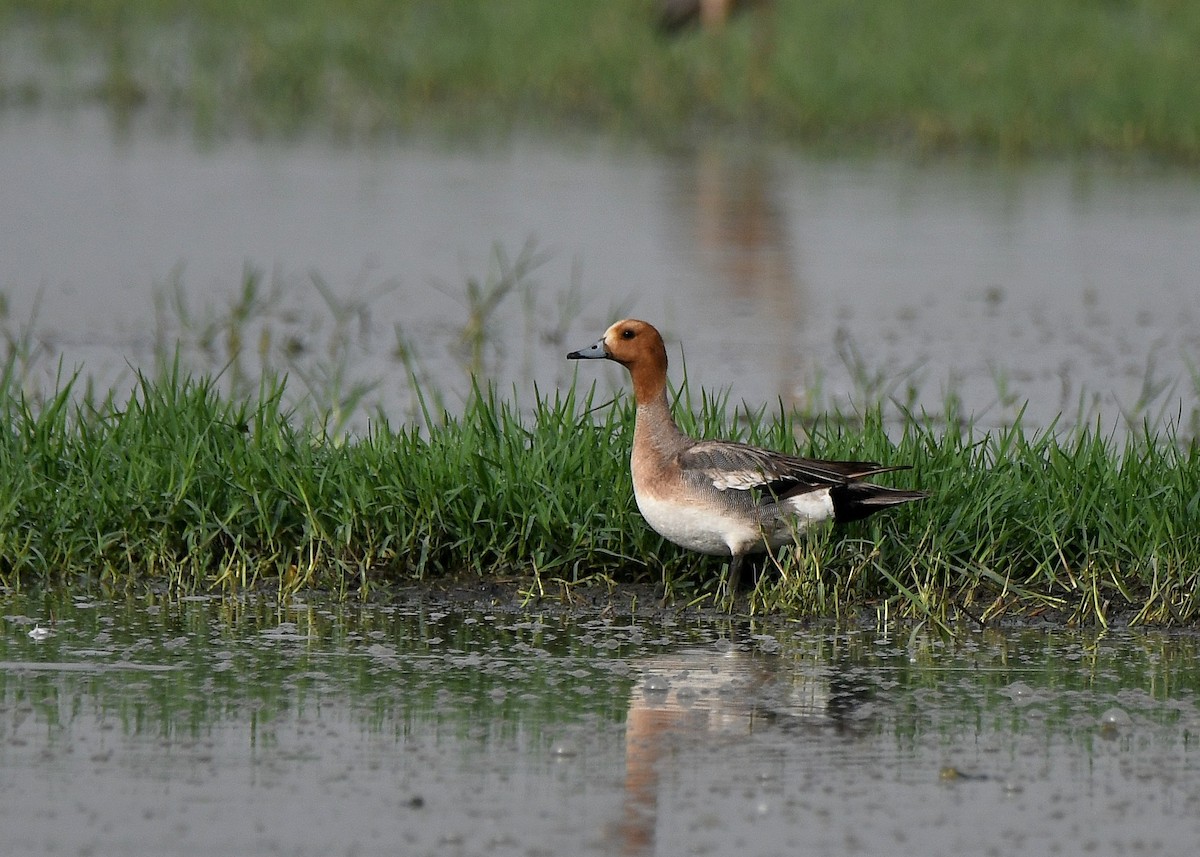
<point x="628" y="333"/>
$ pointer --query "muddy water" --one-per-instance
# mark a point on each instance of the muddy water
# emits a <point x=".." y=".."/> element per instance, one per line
<point x="222" y="727"/>
<point x="1070" y="286"/>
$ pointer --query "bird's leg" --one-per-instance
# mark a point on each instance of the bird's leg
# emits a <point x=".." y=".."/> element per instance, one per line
<point x="733" y="575"/>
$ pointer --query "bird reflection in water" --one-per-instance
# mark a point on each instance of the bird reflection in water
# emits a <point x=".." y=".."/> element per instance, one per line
<point x="688" y="700"/>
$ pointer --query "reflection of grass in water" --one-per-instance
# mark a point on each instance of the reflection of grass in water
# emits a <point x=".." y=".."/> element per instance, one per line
<point x="1013" y="76"/>
<point x="1162" y="401"/>
<point x="380" y="685"/>
<point x="483" y="299"/>
<point x="378" y="688"/>
<point x="22" y="349"/>
<point x="268" y="329"/>
<point x="257" y="335"/>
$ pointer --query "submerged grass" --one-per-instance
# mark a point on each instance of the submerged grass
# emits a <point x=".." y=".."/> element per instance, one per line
<point x="1016" y="76"/>
<point x="182" y="488"/>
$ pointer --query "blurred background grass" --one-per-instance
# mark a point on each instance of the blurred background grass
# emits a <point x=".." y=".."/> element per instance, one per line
<point x="1114" y="76"/>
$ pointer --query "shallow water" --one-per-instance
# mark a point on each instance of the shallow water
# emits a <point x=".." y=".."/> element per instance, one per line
<point x="216" y="727"/>
<point x="785" y="276"/>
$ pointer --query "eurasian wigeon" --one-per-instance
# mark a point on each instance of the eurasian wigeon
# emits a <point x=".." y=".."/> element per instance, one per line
<point x="721" y="497"/>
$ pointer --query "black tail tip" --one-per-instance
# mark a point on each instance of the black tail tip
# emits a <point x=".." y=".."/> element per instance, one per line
<point x="857" y="500"/>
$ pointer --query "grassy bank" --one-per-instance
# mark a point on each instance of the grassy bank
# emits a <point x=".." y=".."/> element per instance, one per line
<point x="1065" y="75"/>
<point x="183" y="489"/>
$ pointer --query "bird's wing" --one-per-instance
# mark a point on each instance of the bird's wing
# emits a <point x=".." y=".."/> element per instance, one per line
<point x="741" y="467"/>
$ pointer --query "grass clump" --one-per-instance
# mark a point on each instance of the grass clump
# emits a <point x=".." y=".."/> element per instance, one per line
<point x="1072" y="525"/>
<point x="181" y="488"/>
<point x="1013" y="77"/>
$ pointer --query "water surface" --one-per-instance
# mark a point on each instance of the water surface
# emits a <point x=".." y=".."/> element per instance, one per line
<point x="1071" y="285"/>
<point x="213" y="726"/>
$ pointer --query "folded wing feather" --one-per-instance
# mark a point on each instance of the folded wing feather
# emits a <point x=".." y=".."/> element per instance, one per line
<point x="741" y="467"/>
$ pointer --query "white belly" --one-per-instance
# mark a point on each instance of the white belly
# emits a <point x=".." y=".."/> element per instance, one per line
<point x="694" y="528"/>
<point x="710" y="531"/>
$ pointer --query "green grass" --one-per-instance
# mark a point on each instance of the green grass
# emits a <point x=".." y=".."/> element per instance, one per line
<point x="1021" y="76"/>
<point x="182" y="489"/>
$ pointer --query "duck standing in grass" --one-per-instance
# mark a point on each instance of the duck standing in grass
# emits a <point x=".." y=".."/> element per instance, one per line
<point x="720" y="497"/>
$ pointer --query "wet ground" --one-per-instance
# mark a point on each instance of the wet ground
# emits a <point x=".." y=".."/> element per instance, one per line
<point x="1053" y="287"/>
<point x="431" y="726"/>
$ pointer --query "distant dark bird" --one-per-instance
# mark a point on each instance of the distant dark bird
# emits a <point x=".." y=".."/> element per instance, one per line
<point x="677" y="15"/>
